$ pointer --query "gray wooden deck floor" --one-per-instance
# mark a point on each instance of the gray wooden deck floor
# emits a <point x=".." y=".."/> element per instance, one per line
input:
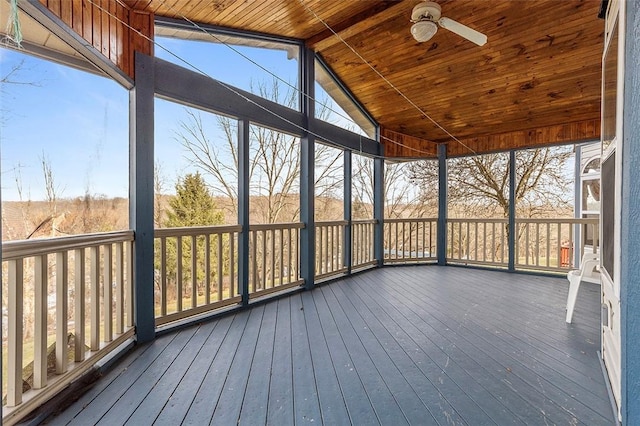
<point x="415" y="345"/>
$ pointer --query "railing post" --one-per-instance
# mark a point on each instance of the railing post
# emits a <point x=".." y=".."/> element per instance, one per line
<point x="14" y="336"/>
<point x="441" y="248"/>
<point x="307" y="169"/>
<point x="141" y="140"/>
<point x="378" y="210"/>
<point x="577" y="209"/>
<point x="347" y="250"/>
<point x="243" y="210"/>
<point x="512" y="211"/>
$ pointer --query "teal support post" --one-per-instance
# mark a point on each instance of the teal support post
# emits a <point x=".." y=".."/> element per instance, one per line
<point x="512" y="212"/>
<point x="243" y="210"/>
<point x="307" y="172"/>
<point x="141" y="191"/>
<point x="378" y="210"/>
<point x="348" y="211"/>
<point x="442" y="205"/>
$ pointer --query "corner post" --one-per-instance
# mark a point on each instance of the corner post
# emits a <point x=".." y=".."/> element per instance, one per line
<point x="629" y="218"/>
<point x="141" y="141"/>
<point x="512" y="211"/>
<point x="378" y="210"/>
<point x="243" y="210"/>
<point x="442" y="205"/>
<point x="347" y="253"/>
<point x="307" y="171"/>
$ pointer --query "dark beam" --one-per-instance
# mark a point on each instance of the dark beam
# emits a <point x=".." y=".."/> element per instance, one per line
<point x="349" y="22"/>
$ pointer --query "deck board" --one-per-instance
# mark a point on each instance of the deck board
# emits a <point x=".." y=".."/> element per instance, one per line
<point x="401" y="345"/>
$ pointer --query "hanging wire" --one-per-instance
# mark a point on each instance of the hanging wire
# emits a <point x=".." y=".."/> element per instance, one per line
<point x="379" y="74"/>
<point x="241" y="95"/>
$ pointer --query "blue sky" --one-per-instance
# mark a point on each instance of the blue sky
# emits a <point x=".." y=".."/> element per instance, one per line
<point x="78" y="121"/>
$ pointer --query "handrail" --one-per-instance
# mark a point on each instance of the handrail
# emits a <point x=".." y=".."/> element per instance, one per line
<point x="270" y="226"/>
<point x="87" y="279"/>
<point x="188" y="231"/>
<point x="30" y="248"/>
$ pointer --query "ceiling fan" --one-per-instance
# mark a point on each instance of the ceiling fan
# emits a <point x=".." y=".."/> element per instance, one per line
<point x="426" y="17"/>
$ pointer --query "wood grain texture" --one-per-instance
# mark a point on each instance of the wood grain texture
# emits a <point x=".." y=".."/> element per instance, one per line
<point x="540" y="68"/>
<point x="400" y="345"/>
<point x="104" y="24"/>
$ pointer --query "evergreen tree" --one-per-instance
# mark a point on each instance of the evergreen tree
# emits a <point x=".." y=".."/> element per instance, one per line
<point x="193" y="205"/>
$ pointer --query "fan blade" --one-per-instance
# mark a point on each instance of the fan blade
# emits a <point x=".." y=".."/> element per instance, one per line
<point x="463" y="31"/>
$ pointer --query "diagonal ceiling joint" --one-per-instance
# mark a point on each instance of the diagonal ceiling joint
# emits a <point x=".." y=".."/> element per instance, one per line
<point x="349" y="22"/>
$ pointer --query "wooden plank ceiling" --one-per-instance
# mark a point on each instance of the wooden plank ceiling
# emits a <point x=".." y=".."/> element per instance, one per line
<point x="536" y="81"/>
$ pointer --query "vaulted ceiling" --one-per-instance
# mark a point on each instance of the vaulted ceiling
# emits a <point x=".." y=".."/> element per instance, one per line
<point x="539" y="72"/>
<point x="536" y="81"/>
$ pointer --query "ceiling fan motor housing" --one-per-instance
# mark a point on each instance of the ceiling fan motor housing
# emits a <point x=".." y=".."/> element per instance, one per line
<point x="426" y="10"/>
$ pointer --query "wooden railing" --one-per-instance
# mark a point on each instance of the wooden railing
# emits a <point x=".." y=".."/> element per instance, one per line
<point x="478" y="241"/>
<point x="362" y="242"/>
<point x="547" y="244"/>
<point x="410" y="240"/>
<point x="274" y="258"/>
<point x="195" y="270"/>
<point x="68" y="299"/>
<point x="330" y="240"/>
<point x="541" y="244"/>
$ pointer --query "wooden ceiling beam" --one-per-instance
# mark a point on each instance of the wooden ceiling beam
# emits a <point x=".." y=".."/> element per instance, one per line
<point x="580" y="131"/>
<point x="354" y="24"/>
<point x="399" y="145"/>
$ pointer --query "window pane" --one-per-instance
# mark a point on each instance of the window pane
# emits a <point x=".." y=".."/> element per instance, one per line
<point x="65" y="150"/>
<point x="268" y="69"/>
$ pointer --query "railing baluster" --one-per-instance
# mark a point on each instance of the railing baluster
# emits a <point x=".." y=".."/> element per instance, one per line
<point x="107" y="299"/>
<point x="537" y="244"/>
<point x="502" y="244"/>
<point x="265" y="235"/>
<point x="94" y="279"/>
<point x="559" y="250"/>
<point x="475" y="231"/>
<point x="194" y="271"/>
<point x="128" y="287"/>
<point x="119" y="289"/>
<point x="179" y="274"/>
<point x="207" y="268"/>
<point x="571" y="248"/>
<point x="526" y="244"/>
<point x="232" y="265"/>
<point x="62" y="338"/>
<point x="484" y="239"/>
<point x="289" y="250"/>
<point x="548" y="240"/>
<point x="41" y="280"/>
<point x="281" y="266"/>
<point x="79" y="295"/>
<point x="14" y="339"/>
<point x="220" y="270"/>
<point x="163" y="276"/>
<point x="254" y="262"/>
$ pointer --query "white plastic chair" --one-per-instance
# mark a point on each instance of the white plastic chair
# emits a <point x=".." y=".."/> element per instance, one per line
<point x="588" y="272"/>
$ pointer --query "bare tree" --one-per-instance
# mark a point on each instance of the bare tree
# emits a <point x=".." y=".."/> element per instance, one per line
<point x="479" y="185"/>
<point x="159" y="187"/>
<point x="52" y="190"/>
<point x="274" y="167"/>
<point x="403" y="198"/>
